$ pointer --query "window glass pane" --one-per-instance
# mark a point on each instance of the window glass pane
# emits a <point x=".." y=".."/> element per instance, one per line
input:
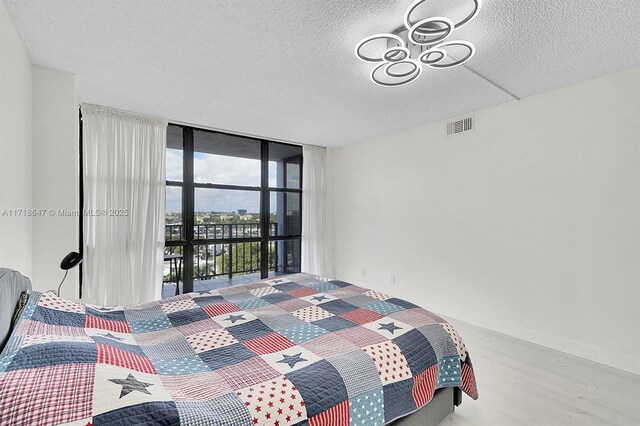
<point x="173" y="214"/>
<point x="285" y="163"/>
<point x="284" y="214"/>
<point x="225" y="159"/>
<point x="174" y="154"/>
<point x="284" y="257"/>
<point x="224" y="213"/>
<point x="211" y="261"/>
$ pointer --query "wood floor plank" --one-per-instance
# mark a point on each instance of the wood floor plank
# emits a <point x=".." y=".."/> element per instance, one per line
<point x="521" y="383"/>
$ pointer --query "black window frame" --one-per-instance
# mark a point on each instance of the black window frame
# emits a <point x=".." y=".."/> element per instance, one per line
<point x="188" y="240"/>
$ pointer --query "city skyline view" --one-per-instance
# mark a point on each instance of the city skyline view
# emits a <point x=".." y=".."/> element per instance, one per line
<point x="220" y="169"/>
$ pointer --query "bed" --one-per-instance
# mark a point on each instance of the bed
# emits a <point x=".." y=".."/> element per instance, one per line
<point x="294" y="350"/>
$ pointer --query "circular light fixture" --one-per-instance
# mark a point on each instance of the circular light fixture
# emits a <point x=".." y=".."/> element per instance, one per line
<point x="471" y="51"/>
<point x="477" y="5"/>
<point x="425" y="57"/>
<point x="383" y="75"/>
<point x="396" y="54"/>
<point x="424" y="38"/>
<point x="366" y="40"/>
<point x="423" y="29"/>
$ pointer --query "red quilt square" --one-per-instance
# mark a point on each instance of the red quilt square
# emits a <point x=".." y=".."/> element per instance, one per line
<point x="247" y="373"/>
<point x="268" y="344"/>
<point x="48" y="395"/>
<point x="361" y="316"/>
<point x="302" y="292"/>
<point x="338" y="415"/>
<point x="120" y="358"/>
<point x="103" y="324"/>
<point x="424" y="385"/>
<point x="220" y="309"/>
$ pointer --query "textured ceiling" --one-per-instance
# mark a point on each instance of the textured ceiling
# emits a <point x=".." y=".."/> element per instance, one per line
<point x="285" y="69"/>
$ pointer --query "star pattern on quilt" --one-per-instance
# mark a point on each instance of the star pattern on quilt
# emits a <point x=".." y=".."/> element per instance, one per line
<point x="131" y="384"/>
<point x="391" y="364"/>
<point x="234" y="318"/>
<point x="391" y="327"/>
<point x="320" y="298"/>
<point x="274" y="403"/>
<point x="292" y="360"/>
<point x="210" y="339"/>
<point x="367" y="409"/>
<point x="311" y="313"/>
<point x="111" y="336"/>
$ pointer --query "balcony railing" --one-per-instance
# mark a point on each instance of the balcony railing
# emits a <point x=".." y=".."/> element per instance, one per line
<point x="211" y="260"/>
<point x="217" y="231"/>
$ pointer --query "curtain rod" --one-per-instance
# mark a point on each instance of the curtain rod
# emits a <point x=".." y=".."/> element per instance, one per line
<point x="198" y="126"/>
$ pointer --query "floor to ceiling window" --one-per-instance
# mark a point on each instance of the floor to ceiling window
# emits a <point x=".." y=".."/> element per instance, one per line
<point x="233" y="208"/>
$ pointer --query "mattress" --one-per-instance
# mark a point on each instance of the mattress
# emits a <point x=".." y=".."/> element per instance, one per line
<point x="288" y="351"/>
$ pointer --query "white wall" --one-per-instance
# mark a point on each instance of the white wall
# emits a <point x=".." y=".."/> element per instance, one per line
<point x="15" y="147"/>
<point x="38" y="164"/>
<point x="55" y="178"/>
<point x="529" y="226"/>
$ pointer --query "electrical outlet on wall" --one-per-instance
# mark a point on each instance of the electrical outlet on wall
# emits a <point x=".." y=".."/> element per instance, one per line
<point x="392" y="279"/>
<point x="364" y="272"/>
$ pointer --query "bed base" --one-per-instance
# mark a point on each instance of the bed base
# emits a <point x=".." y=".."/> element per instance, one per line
<point x="443" y="403"/>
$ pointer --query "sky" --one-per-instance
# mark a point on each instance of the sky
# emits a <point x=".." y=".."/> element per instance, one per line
<point x="210" y="168"/>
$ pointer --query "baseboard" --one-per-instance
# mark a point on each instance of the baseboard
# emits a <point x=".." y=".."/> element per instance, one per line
<point x="593" y="353"/>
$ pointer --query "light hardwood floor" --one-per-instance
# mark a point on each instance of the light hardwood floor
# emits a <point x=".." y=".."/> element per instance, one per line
<point x="521" y="383"/>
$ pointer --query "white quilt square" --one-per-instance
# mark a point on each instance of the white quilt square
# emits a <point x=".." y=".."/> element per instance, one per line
<point x="389" y="327"/>
<point x="291" y="359"/>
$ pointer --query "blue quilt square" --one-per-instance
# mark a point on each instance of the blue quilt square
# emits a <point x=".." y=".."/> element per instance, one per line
<point x="403" y="303"/>
<point x="284" y="287"/>
<point x="334" y="323"/>
<point x="320" y="385"/>
<point x="180" y="366"/>
<point x="54" y="353"/>
<point x="322" y="286"/>
<point x="107" y="314"/>
<point x="109" y="339"/>
<point x="338" y="307"/>
<point x="209" y="300"/>
<point x="339" y="283"/>
<point x="54" y="317"/>
<point x="161" y="322"/>
<point x="274" y="298"/>
<point x="249" y="330"/>
<point x="303" y="332"/>
<point x="384" y="308"/>
<point x="367" y="409"/>
<point x="449" y="372"/>
<point x="187" y="317"/>
<point x="224" y="357"/>
<point x="417" y="350"/>
<point x="148" y="413"/>
<point x="253" y="303"/>
<point x="226" y="409"/>
<point x="145" y="312"/>
<point x="398" y="400"/>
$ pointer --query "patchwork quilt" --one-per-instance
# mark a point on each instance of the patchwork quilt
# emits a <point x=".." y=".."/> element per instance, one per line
<point x="288" y="351"/>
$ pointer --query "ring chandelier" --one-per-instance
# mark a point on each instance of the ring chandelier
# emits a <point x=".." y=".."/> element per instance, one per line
<point x="418" y="43"/>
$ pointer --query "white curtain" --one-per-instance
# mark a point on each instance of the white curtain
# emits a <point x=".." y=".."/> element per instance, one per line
<point x="124" y="198"/>
<point x="315" y="233"/>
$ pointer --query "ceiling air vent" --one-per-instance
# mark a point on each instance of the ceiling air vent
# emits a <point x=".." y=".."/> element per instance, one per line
<point x="460" y="126"/>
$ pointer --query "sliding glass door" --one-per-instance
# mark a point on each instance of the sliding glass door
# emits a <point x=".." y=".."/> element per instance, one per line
<point x="233" y="207"/>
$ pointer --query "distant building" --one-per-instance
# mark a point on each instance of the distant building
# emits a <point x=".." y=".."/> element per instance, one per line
<point x="242" y="212"/>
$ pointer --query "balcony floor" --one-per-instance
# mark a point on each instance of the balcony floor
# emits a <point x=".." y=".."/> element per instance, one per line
<point x="169" y="290"/>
